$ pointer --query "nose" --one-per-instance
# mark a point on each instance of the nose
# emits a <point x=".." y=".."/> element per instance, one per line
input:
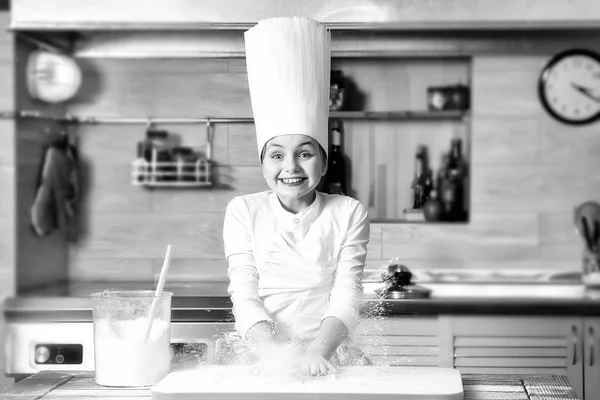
<point x="291" y="164"/>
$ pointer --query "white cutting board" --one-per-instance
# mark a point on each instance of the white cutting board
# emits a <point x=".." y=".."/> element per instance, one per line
<point x="223" y="382"/>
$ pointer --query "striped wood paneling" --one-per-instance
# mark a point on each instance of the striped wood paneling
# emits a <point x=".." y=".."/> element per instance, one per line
<point x="534" y="345"/>
<point x="526" y="168"/>
<point x="7" y="180"/>
<point x="404" y="341"/>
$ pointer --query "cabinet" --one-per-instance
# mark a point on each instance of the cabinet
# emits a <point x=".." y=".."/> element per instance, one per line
<point x="489" y="344"/>
<point x="528" y="345"/>
<point x="403" y="341"/>
<point x="591" y="354"/>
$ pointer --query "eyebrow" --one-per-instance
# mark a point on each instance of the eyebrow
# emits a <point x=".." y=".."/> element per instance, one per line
<point x="307" y="143"/>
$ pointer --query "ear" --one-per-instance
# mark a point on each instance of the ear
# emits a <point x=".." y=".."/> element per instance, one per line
<point x="324" y="169"/>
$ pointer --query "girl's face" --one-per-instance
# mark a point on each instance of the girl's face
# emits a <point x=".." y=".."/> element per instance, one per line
<point x="293" y="166"/>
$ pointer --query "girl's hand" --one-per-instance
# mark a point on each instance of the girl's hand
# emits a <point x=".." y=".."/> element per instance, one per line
<point x="262" y="332"/>
<point x="313" y="364"/>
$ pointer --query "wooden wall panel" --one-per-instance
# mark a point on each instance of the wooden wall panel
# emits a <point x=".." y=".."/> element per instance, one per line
<point x="84" y="267"/>
<point x="527" y="172"/>
<point x="7" y="193"/>
<point x="7" y="255"/>
<point x="194" y="270"/>
<point x="39" y="261"/>
<point x="147" y="235"/>
<point x="7" y="180"/>
<point x="510" y="237"/>
<point x="233" y="181"/>
<point x="243" y="149"/>
<point x="501" y="141"/>
<point x="559" y="143"/>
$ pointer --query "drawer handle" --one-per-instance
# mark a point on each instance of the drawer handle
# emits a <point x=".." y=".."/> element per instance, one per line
<point x="592" y="340"/>
<point x="574" y="330"/>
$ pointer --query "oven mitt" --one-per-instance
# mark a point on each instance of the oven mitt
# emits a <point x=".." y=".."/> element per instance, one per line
<point x="57" y="190"/>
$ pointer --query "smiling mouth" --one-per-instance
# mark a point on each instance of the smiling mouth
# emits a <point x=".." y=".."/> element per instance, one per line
<point x="292" y="181"/>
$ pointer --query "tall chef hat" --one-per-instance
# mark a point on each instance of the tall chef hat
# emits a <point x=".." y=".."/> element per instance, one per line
<point x="289" y="61"/>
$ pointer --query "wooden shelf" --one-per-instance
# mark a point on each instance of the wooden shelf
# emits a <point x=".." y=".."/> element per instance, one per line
<point x="398" y="115"/>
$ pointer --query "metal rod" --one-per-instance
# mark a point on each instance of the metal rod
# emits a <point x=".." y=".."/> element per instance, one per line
<point x="79" y="119"/>
<point x="146" y="121"/>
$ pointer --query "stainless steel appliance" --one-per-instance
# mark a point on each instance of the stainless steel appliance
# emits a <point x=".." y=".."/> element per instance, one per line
<point x="52" y="328"/>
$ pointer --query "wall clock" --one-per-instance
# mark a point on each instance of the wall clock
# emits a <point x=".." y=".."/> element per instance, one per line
<point x="569" y="86"/>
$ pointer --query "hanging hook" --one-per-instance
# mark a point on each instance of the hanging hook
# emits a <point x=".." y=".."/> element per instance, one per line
<point x="209" y="139"/>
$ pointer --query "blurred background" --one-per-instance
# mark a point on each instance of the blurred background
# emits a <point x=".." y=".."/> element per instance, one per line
<point x="145" y="125"/>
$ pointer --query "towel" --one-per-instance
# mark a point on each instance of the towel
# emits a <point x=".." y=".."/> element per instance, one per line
<point x="57" y="190"/>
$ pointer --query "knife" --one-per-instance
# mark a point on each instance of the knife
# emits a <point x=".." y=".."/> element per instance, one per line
<point x="586" y="234"/>
<point x="596" y="236"/>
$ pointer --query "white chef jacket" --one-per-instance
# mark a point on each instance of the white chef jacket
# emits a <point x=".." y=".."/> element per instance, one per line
<point x="296" y="269"/>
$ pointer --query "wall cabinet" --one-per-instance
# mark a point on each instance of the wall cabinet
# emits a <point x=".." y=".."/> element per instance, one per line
<point x="486" y="344"/>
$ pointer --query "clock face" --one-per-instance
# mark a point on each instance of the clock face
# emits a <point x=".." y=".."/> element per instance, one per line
<point x="569" y="87"/>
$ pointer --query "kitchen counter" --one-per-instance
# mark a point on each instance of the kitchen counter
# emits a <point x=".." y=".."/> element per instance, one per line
<point x="70" y="385"/>
<point x="209" y="301"/>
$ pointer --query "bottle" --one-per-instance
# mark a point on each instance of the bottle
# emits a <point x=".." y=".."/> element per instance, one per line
<point x="445" y="189"/>
<point x="422" y="184"/>
<point x="417" y="183"/>
<point x="336" y="165"/>
<point x="426" y="178"/>
<point x="432" y="209"/>
<point x="457" y="174"/>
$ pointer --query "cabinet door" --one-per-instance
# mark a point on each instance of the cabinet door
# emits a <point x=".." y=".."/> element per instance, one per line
<point x="591" y="358"/>
<point x="520" y="345"/>
<point x="400" y="340"/>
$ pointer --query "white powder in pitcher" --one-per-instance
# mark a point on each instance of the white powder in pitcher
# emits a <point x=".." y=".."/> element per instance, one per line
<point x="124" y="357"/>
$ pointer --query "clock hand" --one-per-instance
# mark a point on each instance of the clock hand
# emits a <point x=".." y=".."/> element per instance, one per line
<point x="586" y="92"/>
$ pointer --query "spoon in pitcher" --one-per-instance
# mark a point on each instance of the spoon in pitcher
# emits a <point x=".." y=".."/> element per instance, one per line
<point x="159" y="290"/>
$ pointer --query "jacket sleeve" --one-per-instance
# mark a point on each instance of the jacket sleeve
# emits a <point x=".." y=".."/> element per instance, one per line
<point x="248" y="308"/>
<point x="347" y="291"/>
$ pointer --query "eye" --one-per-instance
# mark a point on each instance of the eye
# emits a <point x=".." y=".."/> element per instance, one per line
<point x="276" y="156"/>
<point x="305" y="154"/>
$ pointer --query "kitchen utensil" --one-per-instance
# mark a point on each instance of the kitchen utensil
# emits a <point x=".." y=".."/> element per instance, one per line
<point x="159" y="289"/>
<point x="231" y="382"/>
<point x="451" y="97"/>
<point x="587" y="220"/>
<point x="397" y="279"/>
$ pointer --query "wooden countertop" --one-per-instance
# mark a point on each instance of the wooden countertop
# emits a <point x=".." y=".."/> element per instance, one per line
<point x="49" y="385"/>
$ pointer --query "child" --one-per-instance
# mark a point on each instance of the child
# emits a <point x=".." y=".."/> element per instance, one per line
<point x="296" y="256"/>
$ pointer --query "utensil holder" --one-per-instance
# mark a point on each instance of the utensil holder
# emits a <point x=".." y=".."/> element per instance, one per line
<point x="171" y="174"/>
